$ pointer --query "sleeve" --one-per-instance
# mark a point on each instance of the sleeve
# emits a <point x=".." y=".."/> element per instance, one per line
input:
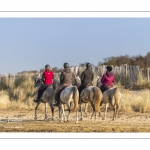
<point x="43" y="78"/>
<point x="61" y="77"/>
<point x="82" y="77"/>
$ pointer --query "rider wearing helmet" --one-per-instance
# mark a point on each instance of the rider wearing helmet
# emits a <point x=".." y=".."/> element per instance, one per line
<point x="66" y="79"/>
<point x="87" y="77"/>
<point x="107" y="79"/>
<point x="47" y="78"/>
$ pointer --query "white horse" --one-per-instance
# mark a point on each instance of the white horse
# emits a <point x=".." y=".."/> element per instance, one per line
<point x="68" y="95"/>
<point x="111" y="96"/>
<point x="93" y="95"/>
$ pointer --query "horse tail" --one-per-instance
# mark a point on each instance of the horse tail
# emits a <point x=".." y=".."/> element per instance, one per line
<point x="75" y="98"/>
<point x="97" y="97"/>
<point x="117" y="96"/>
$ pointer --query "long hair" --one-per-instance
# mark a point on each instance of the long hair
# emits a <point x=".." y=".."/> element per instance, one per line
<point x="47" y="69"/>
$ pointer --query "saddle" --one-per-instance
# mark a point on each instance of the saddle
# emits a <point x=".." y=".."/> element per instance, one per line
<point x="87" y="85"/>
<point x="44" y="89"/>
<point x="62" y="89"/>
<point x="106" y="88"/>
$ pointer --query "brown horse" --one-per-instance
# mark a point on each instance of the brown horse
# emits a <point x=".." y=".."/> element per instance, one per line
<point x="93" y="95"/>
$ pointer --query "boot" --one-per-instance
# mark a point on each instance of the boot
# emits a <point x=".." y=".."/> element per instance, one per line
<point x="57" y="100"/>
<point x="36" y="100"/>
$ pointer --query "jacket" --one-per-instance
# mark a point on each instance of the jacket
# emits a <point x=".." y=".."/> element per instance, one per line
<point x="47" y="77"/>
<point x="108" y="79"/>
<point x="66" y="76"/>
<point x="87" y="77"/>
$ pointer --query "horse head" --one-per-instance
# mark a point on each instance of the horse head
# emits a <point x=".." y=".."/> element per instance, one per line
<point x="38" y="82"/>
<point x="77" y="81"/>
<point x="56" y="84"/>
<point x="98" y="83"/>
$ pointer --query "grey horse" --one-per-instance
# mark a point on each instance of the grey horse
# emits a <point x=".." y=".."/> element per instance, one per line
<point x="47" y="97"/>
<point x="111" y="97"/>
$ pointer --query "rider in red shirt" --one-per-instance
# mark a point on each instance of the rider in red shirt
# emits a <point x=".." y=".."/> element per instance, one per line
<point x="47" y="78"/>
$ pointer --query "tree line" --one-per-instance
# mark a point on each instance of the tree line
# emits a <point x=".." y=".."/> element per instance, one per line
<point x="138" y="60"/>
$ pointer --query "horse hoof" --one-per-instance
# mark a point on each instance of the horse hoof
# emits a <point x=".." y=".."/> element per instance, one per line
<point x="35" y="118"/>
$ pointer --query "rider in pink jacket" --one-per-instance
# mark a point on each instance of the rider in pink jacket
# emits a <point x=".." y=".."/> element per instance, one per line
<point x="107" y="79"/>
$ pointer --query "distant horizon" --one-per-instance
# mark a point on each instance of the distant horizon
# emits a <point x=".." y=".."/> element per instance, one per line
<point x="30" y="43"/>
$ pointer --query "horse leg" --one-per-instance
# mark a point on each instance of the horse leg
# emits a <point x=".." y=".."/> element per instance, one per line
<point x="62" y="113"/>
<point x="59" y="108"/>
<point x="115" y="108"/>
<point x="68" y="105"/>
<point x="86" y="107"/>
<point x="81" y="112"/>
<point x="52" y="109"/>
<point x="76" y="116"/>
<point x="106" y="107"/>
<point x="45" y="113"/>
<point x="35" y="118"/>
<point x="93" y="109"/>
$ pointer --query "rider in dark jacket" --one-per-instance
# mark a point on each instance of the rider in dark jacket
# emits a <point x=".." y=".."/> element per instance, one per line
<point x="47" y="78"/>
<point x="66" y="79"/>
<point x="87" y="77"/>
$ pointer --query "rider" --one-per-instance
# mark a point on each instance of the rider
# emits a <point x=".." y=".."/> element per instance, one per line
<point x="87" y="77"/>
<point x="107" y="79"/>
<point x="66" y="79"/>
<point x="47" y="78"/>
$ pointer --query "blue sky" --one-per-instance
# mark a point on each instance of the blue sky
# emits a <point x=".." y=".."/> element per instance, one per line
<point x="31" y="43"/>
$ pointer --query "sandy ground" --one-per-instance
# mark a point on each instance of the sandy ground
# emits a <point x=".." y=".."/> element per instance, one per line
<point x="23" y="121"/>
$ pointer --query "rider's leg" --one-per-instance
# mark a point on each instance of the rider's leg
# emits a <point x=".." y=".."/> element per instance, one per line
<point x="57" y="96"/>
<point x="39" y="94"/>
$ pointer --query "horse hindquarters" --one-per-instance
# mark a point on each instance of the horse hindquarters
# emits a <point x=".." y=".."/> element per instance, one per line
<point x="75" y="97"/>
<point x="117" y="100"/>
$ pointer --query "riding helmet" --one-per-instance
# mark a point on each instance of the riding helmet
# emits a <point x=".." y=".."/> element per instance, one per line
<point x="88" y="65"/>
<point x="47" y="66"/>
<point x="109" y="68"/>
<point x="66" y="65"/>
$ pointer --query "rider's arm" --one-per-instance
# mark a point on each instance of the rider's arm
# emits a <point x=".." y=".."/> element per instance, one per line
<point x="82" y="77"/>
<point x="61" y="77"/>
<point x="43" y="78"/>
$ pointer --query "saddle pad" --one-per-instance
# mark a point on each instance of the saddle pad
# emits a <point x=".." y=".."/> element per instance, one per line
<point x="88" y="85"/>
<point x="62" y="89"/>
